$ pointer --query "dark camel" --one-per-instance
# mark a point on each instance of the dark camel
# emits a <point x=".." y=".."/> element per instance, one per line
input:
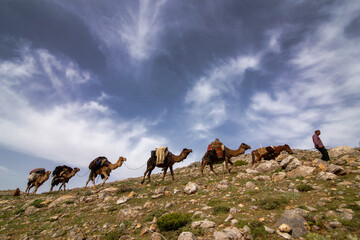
<point x="169" y="161"/>
<point x="269" y="153"/>
<point x="37" y="182"/>
<point x="210" y="157"/>
<point x="104" y="171"/>
<point x="63" y="178"/>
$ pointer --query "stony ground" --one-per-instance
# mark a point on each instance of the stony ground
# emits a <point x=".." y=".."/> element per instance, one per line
<point x="292" y="197"/>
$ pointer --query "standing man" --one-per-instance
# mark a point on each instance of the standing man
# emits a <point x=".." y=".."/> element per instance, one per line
<point x="320" y="146"/>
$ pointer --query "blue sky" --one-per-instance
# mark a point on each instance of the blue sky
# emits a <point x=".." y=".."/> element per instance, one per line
<point x="82" y="79"/>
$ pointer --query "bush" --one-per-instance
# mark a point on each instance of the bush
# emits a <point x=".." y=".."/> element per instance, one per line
<point x="37" y="203"/>
<point x="221" y="209"/>
<point x="272" y="203"/>
<point x="304" y="188"/>
<point x="240" y="163"/>
<point x="172" y="221"/>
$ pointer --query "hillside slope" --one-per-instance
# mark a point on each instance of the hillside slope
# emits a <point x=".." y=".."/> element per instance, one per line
<point x="314" y="199"/>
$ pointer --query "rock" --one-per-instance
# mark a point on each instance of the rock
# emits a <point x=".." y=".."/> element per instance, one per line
<point x="347" y="214"/>
<point x="267" y="166"/>
<point x="223" y="185"/>
<point x="62" y="199"/>
<point x="324" y="176"/>
<point x="229" y="218"/>
<point x="269" y="230"/>
<point x="341" y="150"/>
<point x="156" y="236"/>
<point x="160" y="190"/>
<point x="127" y="214"/>
<point x="334" y="224"/>
<point x="191" y="188"/>
<point x="284" y="228"/>
<point x="294" y="219"/>
<point x="250" y="185"/>
<point x="187" y="236"/>
<point x="301" y="171"/>
<point x="110" y="190"/>
<point x="243" y="176"/>
<point x="335" y="169"/>
<point x="284" y="234"/>
<point x="279" y="176"/>
<point x="293" y="164"/>
<point x="251" y="171"/>
<point x="122" y="200"/>
<point x="231" y="233"/>
<point x="205" y="224"/>
<point x="148" y="205"/>
<point x="31" y="210"/>
<point x="262" y="178"/>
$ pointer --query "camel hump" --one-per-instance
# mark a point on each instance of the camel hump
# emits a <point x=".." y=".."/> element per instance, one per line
<point x="59" y="170"/>
<point x="98" y="162"/>
<point x="161" y="154"/>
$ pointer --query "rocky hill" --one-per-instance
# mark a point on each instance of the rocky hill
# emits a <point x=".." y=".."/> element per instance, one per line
<point x="295" y="196"/>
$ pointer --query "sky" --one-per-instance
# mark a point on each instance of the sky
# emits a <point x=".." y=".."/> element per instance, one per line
<point x="82" y="79"/>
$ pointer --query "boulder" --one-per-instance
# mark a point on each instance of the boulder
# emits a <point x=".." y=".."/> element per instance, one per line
<point x="205" y="224"/>
<point x="301" y="171"/>
<point x="342" y="150"/>
<point x="229" y="233"/>
<point x="324" y="176"/>
<point x="279" y="176"/>
<point x="187" y="236"/>
<point x="127" y="214"/>
<point x="267" y="166"/>
<point x="335" y="169"/>
<point x="191" y="188"/>
<point x="293" y="164"/>
<point x="295" y="221"/>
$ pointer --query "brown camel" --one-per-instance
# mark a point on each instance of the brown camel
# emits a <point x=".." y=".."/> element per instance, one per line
<point x="268" y="153"/>
<point x="63" y="178"/>
<point x="37" y="182"/>
<point x="104" y="170"/>
<point x="169" y="161"/>
<point x="210" y="157"/>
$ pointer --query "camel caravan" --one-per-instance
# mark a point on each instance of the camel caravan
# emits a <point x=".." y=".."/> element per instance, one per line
<point x="161" y="157"/>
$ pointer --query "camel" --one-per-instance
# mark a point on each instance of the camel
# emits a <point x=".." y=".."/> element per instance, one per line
<point x="63" y="178"/>
<point x="268" y="153"/>
<point x="210" y="157"/>
<point x="104" y="170"/>
<point x="169" y="161"/>
<point x="37" y="182"/>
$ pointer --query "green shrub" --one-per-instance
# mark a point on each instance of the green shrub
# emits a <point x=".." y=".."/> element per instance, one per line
<point x="37" y="203"/>
<point x="18" y="211"/>
<point x="272" y="203"/>
<point x="173" y="221"/>
<point x="304" y="187"/>
<point x="240" y="163"/>
<point x="314" y="236"/>
<point x="221" y="209"/>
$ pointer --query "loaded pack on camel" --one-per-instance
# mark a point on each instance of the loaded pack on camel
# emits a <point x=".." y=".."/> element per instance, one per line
<point x="60" y="170"/>
<point x="33" y="174"/>
<point x="160" y="154"/>
<point x="218" y="147"/>
<point x="98" y="162"/>
<point x="268" y="153"/>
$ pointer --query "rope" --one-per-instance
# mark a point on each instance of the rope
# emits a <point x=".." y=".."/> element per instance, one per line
<point x="134" y="168"/>
<point x="84" y="174"/>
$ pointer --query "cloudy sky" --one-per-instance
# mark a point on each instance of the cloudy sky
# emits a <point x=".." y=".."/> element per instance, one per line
<point x="82" y="79"/>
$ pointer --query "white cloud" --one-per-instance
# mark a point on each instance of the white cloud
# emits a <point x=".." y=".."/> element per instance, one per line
<point x="73" y="132"/>
<point x="206" y="99"/>
<point x="4" y="169"/>
<point x="323" y="92"/>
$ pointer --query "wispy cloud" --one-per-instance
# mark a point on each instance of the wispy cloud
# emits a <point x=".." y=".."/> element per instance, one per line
<point x="206" y="99"/>
<point x="323" y="93"/>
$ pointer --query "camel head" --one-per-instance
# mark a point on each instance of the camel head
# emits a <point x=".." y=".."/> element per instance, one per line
<point x="186" y="151"/>
<point x="245" y="146"/>
<point x="120" y="161"/>
<point x="47" y="174"/>
<point x="288" y="149"/>
<point x="76" y="169"/>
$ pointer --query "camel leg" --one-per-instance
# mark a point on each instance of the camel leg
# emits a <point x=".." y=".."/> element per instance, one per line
<point x="172" y="173"/>
<point x="105" y="178"/>
<point x="64" y="186"/>
<point x="51" y="188"/>
<point x="212" y="169"/>
<point x="90" y="177"/>
<point x="27" y="188"/>
<point x="147" y="170"/>
<point x="165" y="170"/>
<point x="36" y="188"/>
<point x="202" y="168"/>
